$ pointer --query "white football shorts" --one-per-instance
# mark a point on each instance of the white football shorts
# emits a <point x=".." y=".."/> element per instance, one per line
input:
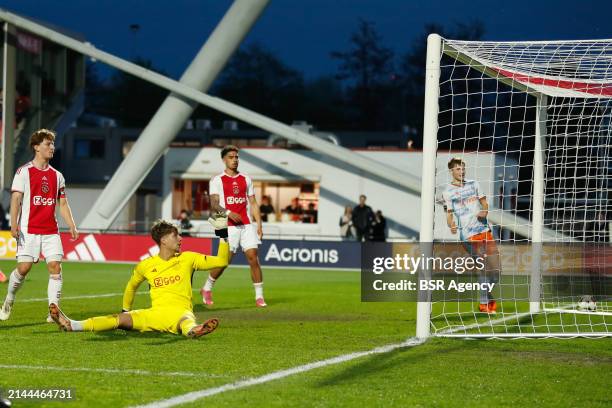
<point x="244" y="236"/>
<point x="29" y="247"/>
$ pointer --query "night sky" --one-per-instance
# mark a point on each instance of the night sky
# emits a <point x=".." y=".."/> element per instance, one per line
<point x="303" y="33"/>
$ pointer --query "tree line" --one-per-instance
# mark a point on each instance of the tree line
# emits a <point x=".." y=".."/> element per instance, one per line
<point x="372" y="88"/>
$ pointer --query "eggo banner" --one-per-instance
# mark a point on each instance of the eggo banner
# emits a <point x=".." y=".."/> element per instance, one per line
<point x="8" y="245"/>
<point x="107" y="247"/>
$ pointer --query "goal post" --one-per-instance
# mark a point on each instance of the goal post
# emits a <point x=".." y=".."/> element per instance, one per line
<point x="532" y="122"/>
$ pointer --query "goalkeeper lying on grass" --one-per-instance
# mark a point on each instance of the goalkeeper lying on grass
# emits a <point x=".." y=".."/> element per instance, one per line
<point x="169" y="276"/>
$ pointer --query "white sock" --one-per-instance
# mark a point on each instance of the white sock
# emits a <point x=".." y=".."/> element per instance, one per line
<point x="54" y="289"/>
<point x="258" y="290"/>
<point x="15" y="282"/>
<point x="77" y="325"/>
<point x="210" y="282"/>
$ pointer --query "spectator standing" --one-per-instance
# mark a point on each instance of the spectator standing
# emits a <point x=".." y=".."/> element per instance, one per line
<point x="294" y="210"/>
<point x="310" y="215"/>
<point x="379" y="227"/>
<point x="362" y="219"/>
<point x="347" y="230"/>
<point x="185" y="223"/>
<point x="266" y="208"/>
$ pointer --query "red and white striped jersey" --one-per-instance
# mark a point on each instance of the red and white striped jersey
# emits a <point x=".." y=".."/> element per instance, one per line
<point x="234" y="193"/>
<point x="41" y="189"/>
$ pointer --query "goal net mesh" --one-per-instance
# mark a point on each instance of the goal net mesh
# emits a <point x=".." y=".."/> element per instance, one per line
<point x="495" y="99"/>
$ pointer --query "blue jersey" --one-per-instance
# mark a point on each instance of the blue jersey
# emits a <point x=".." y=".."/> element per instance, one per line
<point x="464" y="202"/>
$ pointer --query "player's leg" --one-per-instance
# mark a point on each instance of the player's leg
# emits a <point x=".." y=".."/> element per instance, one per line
<point x="474" y="245"/>
<point x="188" y="327"/>
<point x="16" y="279"/>
<point x="54" y="287"/>
<point x="97" y="324"/>
<point x="256" y="276"/>
<point x="28" y="251"/>
<point x="483" y="246"/>
<point x="233" y="239"/>
<point x="250" y="242"/>
<point x="492" y="268"/>
<point x="53" y="252"/>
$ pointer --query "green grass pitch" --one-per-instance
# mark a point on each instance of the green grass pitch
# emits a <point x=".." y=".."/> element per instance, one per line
<point x="312" y="315"/>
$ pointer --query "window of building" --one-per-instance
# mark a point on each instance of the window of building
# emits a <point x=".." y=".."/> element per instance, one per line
<point x="192" y="196"/>
<point x="296" y="201"/>
<point x="89" y="148"/>
<point x="242" y="142"/>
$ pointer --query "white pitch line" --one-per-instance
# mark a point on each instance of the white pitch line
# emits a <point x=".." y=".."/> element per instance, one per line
<point x="276" y="375"/>
<point x="94" y="296"/>
<point x="100" y="295"/>
<point x="111" y="371"/>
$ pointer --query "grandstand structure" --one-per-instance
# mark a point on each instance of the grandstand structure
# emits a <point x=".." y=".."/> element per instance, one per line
<point x="189" y="91"/>
<point x="42" y="85"/>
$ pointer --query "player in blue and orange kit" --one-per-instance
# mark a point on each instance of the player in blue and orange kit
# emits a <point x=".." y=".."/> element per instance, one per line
<point x="169" y="276"/>
<point x="465" y="203"/>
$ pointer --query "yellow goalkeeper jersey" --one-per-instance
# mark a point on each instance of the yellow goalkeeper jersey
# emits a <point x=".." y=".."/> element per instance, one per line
<point x="170" y="280"/>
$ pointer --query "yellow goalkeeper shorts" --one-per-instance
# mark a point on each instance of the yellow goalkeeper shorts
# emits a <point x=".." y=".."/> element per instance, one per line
<point x="165" y="320"/>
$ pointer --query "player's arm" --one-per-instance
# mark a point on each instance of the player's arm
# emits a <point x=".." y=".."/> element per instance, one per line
<point x="16" y="199"/>
<point x="450" y="221"/>
<point x="484" y="207"/>
<point x="130" y="289"/>
<point x="450" y="216"/>
<point x="256" y="214"/>
<point x="205" y="262"/>
<point x="66" y="214"/>
<point x="215" y="208"/>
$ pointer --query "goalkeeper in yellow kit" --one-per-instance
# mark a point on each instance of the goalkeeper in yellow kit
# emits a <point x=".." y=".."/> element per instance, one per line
<point x="169" y="276"/>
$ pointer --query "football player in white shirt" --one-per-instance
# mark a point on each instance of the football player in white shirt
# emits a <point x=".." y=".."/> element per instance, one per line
<point x="37" y="188"/>
<point x="466" y="213"/>
<point x="232" y="194"/>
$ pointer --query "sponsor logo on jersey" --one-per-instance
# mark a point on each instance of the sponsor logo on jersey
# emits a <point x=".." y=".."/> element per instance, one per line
<point x="159" y="282"/>
<point x="236" y="200"/>
<point x="38" y="200"/>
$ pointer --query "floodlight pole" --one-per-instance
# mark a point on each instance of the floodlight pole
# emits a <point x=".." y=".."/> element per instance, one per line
<point x="175" y="110"/>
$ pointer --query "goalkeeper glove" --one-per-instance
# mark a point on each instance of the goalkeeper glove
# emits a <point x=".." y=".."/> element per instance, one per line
<point x="219" y="223"/>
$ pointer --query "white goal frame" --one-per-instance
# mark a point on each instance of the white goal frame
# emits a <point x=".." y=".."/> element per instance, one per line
<point x="537" y="234"/>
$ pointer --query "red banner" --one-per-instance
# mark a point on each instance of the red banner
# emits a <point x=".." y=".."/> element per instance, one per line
<point x="122" y="247"/>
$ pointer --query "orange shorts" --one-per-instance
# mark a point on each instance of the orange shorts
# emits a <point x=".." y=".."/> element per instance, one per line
<point x="480" y="244"/>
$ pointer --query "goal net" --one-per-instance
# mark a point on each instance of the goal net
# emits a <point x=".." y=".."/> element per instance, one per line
<point x="530" y="123"/>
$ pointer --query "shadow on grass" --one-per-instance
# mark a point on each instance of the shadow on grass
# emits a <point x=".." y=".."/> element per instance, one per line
<point x="201" y="308"/>
<point x="17" y="326"/>
<point x="385" y="361"/>
<point x="218" y="306"/>
<point x="160" y="339"/>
